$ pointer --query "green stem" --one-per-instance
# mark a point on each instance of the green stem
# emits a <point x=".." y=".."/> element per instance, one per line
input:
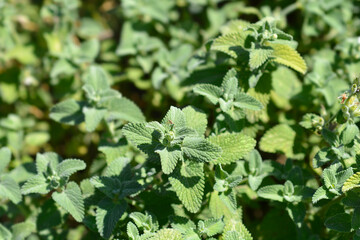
<point x="292" y="7"/>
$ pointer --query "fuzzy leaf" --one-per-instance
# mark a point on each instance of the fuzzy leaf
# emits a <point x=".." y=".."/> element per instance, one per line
<point x="36" y="184"/>
<point x="23" y="230"/>
<point x="96" y="78"/>
<point x="199" y="149"/>
<point x="188" y="181"/>
<point x="231" y="44"/>
<point x="176" y="116"/>
<point x="93" y="117"/>
<point x="239" y="228"/>
<point x="234" y="146"/>
<point x="243" y="100"/>
<point x="71" y="200"/>
<point x="352" y="182"/>
<point x="69" y="166"/>
<point x="142" y="136"/>
<point x="47" y="161"/>
<point x="132" y="231"/>
<point x="5" y="157"/>
<point x="108" y="214"/>
<point x="211" y="227"/>
<point x="230" y="83"/>
<point x="218" y="208"/>
<point x="288" y="56"/>
<point x="211" y="92"/>
<point x="259" y="56"/>
<point x="169" y="157"/>
<point x="273" y="192"/>
<point x="278" y="139"/>
<point x="68" y="112"/>
<point x="321" y="193"/>
<point x="124" y="109"/>
<point x="349" y="133"/>
<point x="5" y="234"/>
<point x="167" y="234"/>
<point x="323" y="156"/>
<point x="195" y="119"/>
<point x="10" y="189"/>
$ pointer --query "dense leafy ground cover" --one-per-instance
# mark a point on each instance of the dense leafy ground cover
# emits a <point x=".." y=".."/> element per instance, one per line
<point x="179" y="119"/>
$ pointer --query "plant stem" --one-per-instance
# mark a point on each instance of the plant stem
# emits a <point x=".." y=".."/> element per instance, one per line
<point x="292" y="7"/>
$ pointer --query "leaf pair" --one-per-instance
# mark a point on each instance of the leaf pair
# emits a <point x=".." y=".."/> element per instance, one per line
<point x="262" y="42"/>
<point x="228" y="96"/>
<point x="178" y="137"/>
<point x="116" y="184"/>
<point x="102" y="103"/>
<point x="53" y="174"/>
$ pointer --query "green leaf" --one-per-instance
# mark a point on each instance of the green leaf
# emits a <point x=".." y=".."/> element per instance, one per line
<point x="232" y="235"/>
<point x="5" y="234"/>
<point x="195" y="119"/>
<point x="174" y="116"/>
<point x="340" y="222"/>
<point x="355" y="221"/>
<point x="288" y="56"/>
<point x="234" y="146"/>
<point x="23" y="230"/>
<point x="36" y="184"/>
<point x="258" y="57"/>
<point x="132" y="231"/>
<point x="239" y="228"/>
<point x="169" y="157"/>
<point x="68" y="112"/>
<point x="5" y="157"/>
<point x="47" y="162"/>
<point x="230" y="44"/>
<point x="142" y="136"/>
<point x="10" y="189"/>
<point x="278" y="139"/>
<point x="69" y="166"/>
<point x="124" y="109"/>
<point x="211" y="227"/>
<point x="352" y="182"/>
<point x="243" y="100"/>
<point x="230" y="84"/>
<point x="199" y="149"/>
<point x="218" y="208"/>
<point x="297" y="213"/>
<point x="71" y="200"/>
<point x="255" y="181"/>
<point x="211" y="92"/>
<point x="93" y="117"/>
<point x="323" y="156"/>
<point x="167" y="234"/>
<point x="96" y="78"/>
<point x="145" y="221"/>
<point x="329" y="178"/>
<point x="188" y="182"/>
<point x="108" y="213"/>
<point x="321" y="193"/>
<point x="349" y="133"/>
<point x="273" y="192"/>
